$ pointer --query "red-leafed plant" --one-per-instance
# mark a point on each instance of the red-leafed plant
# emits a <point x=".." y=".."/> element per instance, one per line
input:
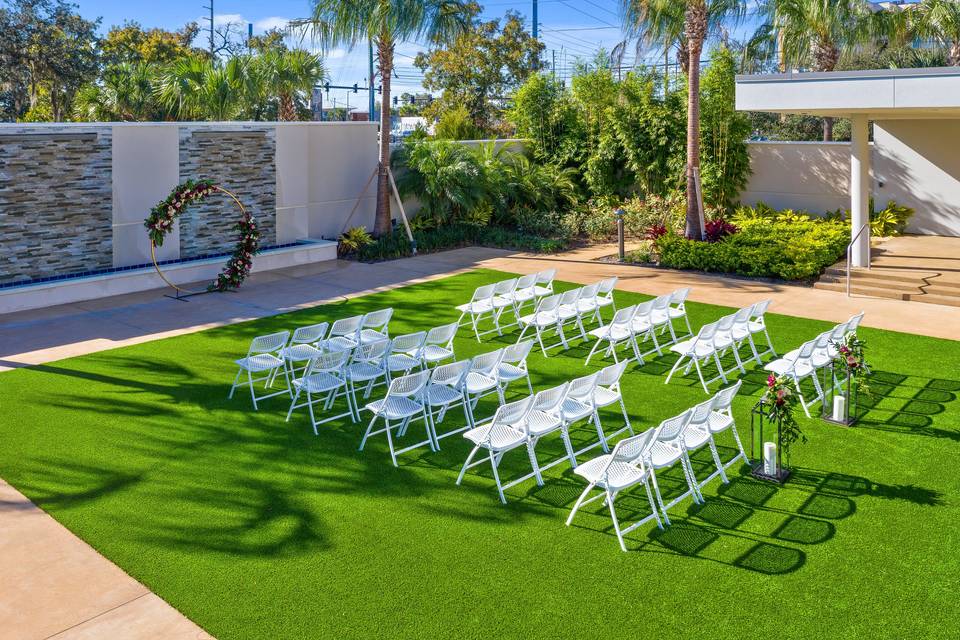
<point x="655" y="232"/>
<point x="718" y="228"/>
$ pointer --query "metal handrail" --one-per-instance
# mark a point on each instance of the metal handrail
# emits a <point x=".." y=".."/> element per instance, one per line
<point x="849" y="249"/>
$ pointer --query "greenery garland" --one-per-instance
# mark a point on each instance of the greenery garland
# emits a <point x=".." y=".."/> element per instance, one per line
<point x="780" y="403"/>
<point x="160" y="222"/>
<point x="851" y="358"/>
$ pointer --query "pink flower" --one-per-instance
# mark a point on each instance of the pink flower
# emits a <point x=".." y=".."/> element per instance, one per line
<point x="771" y="380"/>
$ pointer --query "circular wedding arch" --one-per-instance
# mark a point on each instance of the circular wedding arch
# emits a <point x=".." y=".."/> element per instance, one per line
<point x="160" y="222"/>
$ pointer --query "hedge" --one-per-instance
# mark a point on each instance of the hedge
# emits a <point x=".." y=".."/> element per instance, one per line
<point x="396" y="245"/>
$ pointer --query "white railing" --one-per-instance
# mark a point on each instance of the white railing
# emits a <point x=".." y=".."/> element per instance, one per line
<point x="849" y="256"/>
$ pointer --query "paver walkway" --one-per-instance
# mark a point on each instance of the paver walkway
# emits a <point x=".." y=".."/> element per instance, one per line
<point x="55" y="585"/>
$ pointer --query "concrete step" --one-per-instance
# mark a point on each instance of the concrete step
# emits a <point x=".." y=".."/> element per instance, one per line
<point x="886" y="275"/>
<point x="904" y="288"/>
<point x="946" y="296"/>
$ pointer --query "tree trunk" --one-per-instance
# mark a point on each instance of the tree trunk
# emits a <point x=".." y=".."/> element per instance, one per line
<point x="953" y="56"/>
<point x="828" y="129"/>
<point x="382" y="224"/>
<point x="696" y="32"/>
<point x="288" y="110"/>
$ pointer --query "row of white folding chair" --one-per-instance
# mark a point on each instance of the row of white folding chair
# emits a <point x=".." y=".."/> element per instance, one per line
<point x="810" y="358"/>
<point x="555" y="410"/>
<point x="461" y="383"/>
<point x="556" y="311"/>
<point x="492" y="300"/>
<point x="636" y="460"/>
<point x="729" y="333"/>
<point x="642" y="320"/>
<point x="367" y="365"/>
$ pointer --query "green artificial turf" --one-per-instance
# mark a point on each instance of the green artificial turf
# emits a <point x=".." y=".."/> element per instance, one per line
<point x="256" y="528"/>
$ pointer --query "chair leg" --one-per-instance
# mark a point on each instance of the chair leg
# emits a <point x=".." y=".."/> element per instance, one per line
<point x="253" y="390"/>
<point x="313" y="419"/>
<point x="565" y="436"/>
<point x="496" y="477"/>
<point x="600" y="433"/>
<point x="366" y="435"/>
<point x="293" y="403"/>
<point x="676" y="365"/>
<point x="700" y="374"/>
<point x="393" y="455"/>
<point x="616" y="522"/>
<point x="716" y="460"/>
<point x="653" y="506"/>
<point x="234" y="387"/>
<point x="656" y="490"/>
<point x="466" y="463"/>
<point x="626" y="418"/>
<point x="576" y="505"/>
<point x="531" y="451"/>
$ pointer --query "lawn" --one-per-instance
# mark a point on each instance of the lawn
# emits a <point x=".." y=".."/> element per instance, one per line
<point x="256" y="528"/>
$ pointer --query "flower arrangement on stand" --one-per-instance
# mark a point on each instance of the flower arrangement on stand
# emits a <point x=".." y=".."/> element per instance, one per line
<point x="848" y="380"/>
<point x="163" y="216"/>
<point x="851" y="357"/>
<point x="780" y="403"/>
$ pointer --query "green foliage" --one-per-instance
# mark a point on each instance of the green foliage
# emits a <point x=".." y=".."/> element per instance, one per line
<point x="132" y="44"/>
<point x="889" y="221"/>
<point x="353" y="240"/>
<point x="762" y="248"/>
<point x="445" y="176"/>
<point x="544" y="113"/>
<point x="452" y="236"/>
<point x="457" y="124"/>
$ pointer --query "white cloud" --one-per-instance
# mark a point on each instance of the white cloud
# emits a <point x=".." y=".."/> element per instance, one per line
<point x="228" y="18"/>
<point x="273" y="22"/>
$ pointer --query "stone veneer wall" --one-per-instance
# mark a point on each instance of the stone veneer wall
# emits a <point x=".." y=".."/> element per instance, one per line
<point x="242" y="160"/>
<point x="55" y="202"/>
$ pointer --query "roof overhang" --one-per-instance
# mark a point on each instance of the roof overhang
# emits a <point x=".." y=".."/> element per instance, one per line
<point x="932" y="92"/>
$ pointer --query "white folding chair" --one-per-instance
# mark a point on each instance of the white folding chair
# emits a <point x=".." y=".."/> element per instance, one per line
<point x="678" y="307"/>
<point x="481" y="380"/>
<point x="797" y="369"/>
<point x="513" y="365"/>
<point x="405" y="353"/>
<point x="263" y="357"/>
<point x="344" y="334"/>
<point x="438" y="345"/>
<point x="544" y="418"/>
<point x="758" y="325"/>
<point x="526" y="292"/>
<point x="643" y="327"/>
<point x="544" y="283"/>
<point x="697" y="435"/>
<point x="324" y="380"/>
<point x="618" y="332"/>
<point x="721" y="419"/>
<point x="854" y="322"/>
<point x="661" y="320"/>
<point x="617" y="471"/>
<point x="500" y="434"/>
<point x="443" y="391"/>
<point x="607" y="393"/>
<point x="587" y="305"/>
<point x="740" y="332"/>
<point x="545" y="318"/>
<point x="367" y="366"/>
<point x="570" y="312"/>
<point x="666" y="450"/>
<point x="579" y="405"/>
<point x="301" y="349"/>
<point x="403" y="403"/>
<point x="696" y="350"/>
<point x="723" y="341"/>
<point x="605" y="294"/>
<point x="376" y="326"/>
<point x="503" y="301"/>
<point x="480" y="305"/>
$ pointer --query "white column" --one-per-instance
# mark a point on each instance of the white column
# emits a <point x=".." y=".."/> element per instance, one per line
<point x="860" y="190"/>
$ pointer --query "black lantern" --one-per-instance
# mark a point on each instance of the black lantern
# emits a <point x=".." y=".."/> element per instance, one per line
<point x="841" y="396"/>
<point x="618" y="215"/>
<point x="760" y="420"/>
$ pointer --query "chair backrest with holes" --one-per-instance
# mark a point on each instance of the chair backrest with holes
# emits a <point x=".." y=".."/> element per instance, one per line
<point x="505" y="287"/>
<point x="806" y="351"/>
<point x="623" y="317"/>
<point x="378" y="319"/>
<point x="725" y="323"/>
<point x="409" y="385"/>
<point x="582" y="388"/>
<point x="854" y="322"/>
<point x="679" y="297"/>
<point x="661" y="303"/>
<point x="549" y="304"/>
<point x="348" y="327"/>
<point x="372" y="352"/>
<point x="742" y="317"/>
<point x="633" y="448"/>
<point x="723" y="400"/>
<point x="644" y="309"/>
<point x="330" y="362"/>
<point x="672" y="428"/>
<point x="483" y="293"/>
<point x="570" y="296"/>
<point x="550" y="399"/>
<point x="526" y="282"/>
<point x="707" y="332"/>
<point x="589" y="292"/>
<point x="700" y="413"/>
<point x="512" y="413"/>
<point x="269" y="343"/>
<point x="517" y="353"/>
<point x="408" y="342"/>
<point x="442" y="335"/>
<point x="485" y="363"/>
<point x="610" y="375"/>
<point x="310" y="334"/>
<point x="452" y="374"/>
<point x="546" y="277"/>
<point x="760" y="308"/>
<point x="839" y="331"/>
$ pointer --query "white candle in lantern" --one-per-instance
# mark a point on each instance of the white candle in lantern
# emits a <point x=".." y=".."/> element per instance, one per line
<point x="770" y="458"/>
<point x="840" y="408"/>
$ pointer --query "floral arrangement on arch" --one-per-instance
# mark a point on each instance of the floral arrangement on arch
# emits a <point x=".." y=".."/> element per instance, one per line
<point x="162" y="217"/>
<point x="780" y="402"/>
<point x="851" y="358"/>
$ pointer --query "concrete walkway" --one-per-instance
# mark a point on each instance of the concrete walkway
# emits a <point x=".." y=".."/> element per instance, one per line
<point x="55" y="585"/>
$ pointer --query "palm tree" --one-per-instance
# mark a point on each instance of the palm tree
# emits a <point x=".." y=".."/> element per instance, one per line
<point x="198" y="88"/>
<point x="289" y="73"/>
<point x="385" y="23"/>
<point x="700" y="18"/>
<point x="125" y="93"/>
<point x="939" y="20"/>
<point x="814" y="33"/>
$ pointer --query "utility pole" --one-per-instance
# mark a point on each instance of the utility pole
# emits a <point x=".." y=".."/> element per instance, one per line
<point x="211" y="27"/>
<point x="554" y="66"/>
<point x="535" y="27"/>
<point x="370" y="113"/>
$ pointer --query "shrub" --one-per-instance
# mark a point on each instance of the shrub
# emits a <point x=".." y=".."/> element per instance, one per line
<point x="786" y="250"/>
<point x="353" y="240"/>
<point x="718" y="228"/>
<point x="889" y="221"/>
<point x="452" y="236"/>
<point x="641" y="213"/>
<point x="655" y="232"/>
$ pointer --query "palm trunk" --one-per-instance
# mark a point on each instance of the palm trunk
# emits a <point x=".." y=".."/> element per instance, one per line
<point x="382" y="223"/>
<point x="288" y="110"/>
<point x="693" y="142"/>
<point x="828" y="129"/>
<point x="953" y="56"/>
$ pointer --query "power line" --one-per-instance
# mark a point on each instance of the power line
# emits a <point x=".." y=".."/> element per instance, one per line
<point x="579" y="10"/>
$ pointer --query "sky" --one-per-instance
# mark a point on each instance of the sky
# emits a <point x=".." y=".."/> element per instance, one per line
<point x="569" y="29"/>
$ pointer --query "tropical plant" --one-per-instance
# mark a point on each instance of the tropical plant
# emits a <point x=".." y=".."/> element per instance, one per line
<point x="126" y="92"/>
<point x="889" y="221"/>
<point x="457" y="124"/>
<point x="353" y="240"/>
<point x="385" y="23"/>
<point x="939" y="20"/>
<point x="661" y="19"/>
<point x="289" y="74"/>
<point x="198" y="88"/>
<point x="443" y="175"/>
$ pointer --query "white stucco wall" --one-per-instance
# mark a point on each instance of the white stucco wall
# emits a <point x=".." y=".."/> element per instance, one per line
<point x="814" y="176"/>
<point x="918" y="164"/>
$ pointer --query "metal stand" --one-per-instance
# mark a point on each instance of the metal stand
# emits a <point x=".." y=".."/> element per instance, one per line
<point x="848" y="390"/>
<point x="759" y="415"/>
